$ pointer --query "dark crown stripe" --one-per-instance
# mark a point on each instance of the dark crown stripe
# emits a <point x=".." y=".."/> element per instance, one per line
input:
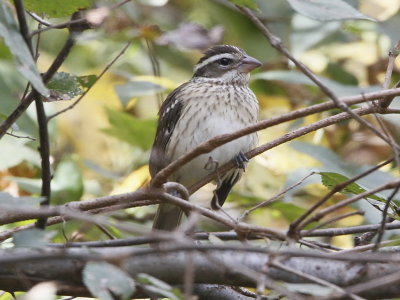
<point x="219" y="49"/>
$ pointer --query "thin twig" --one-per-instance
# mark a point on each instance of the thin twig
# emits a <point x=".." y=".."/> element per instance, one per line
<point x="393" y="53"/>
<point x="299" y="222"/>
<point x="375" y="283"/>
<point x="200" y="236"/>
<point x="97" y="79"/>
<point x="26" y="101"/>
<point x="278" y="45"/>
<point x="106" y="231"/>
<point x="368" y="247"/>
<point x="40" y="20"/>
<point x="317" y="280"/>
<point x="5" y="234"/>
<point x="274" y="198"/>
<point x="384" y="220"/>
<point x="217" y="141"/>
<point x="21" y="136"/>
<point x="56" y="26"/>
<point x="323" y="212"/>
<point x="330" y="232"/>
<point x="67" y="24"/>
<point x="335" y="219"/>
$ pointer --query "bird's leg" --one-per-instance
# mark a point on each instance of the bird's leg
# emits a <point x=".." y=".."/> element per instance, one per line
<point x="212" y="165"/>
<point x="241" y="160"/>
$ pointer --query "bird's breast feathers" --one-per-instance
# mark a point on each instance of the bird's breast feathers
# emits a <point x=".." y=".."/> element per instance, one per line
<point x="233" y="108"/>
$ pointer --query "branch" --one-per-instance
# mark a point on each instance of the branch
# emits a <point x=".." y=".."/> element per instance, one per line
<point x="295" y="225"/>
<point x="265" y="147"/>
<point x="87" y="205"/>
<point x="230" y="236"/>
<point x="148" y="194"/>
<point x="25" y="102"/>
<point x="217" y="141"/>
<point x="65" y="266"/>
<point x="325" y="211"/>
<point x="278" y="45"/>
<point x="97" y="79"/>
<point x="83" y="21"/>
<point x="393" y="53"/>
<point x="44" y="148"/>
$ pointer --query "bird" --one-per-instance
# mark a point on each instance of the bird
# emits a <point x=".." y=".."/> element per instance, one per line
<point x="216" y="100"/>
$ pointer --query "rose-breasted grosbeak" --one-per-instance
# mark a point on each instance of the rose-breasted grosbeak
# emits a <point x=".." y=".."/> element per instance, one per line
<point x="217" y="100"/>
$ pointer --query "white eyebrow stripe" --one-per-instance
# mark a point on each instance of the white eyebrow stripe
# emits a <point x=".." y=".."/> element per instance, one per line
<point x="212" y="59"/>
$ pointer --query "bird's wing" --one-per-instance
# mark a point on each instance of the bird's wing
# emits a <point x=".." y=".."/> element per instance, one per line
<point x="169" y="114"/>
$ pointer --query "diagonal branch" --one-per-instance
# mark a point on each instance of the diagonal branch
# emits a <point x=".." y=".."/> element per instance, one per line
<point x="278" y="45"/>
<point x="283" y="139"/>
<point x="25" y="102"/>
<point x="337" y="188"/>
<point x="215" y="142"/>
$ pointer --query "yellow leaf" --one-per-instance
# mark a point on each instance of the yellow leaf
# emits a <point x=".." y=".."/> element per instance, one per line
<point x="133" y="181"/>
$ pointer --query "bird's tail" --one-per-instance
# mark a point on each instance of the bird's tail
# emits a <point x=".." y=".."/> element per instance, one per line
<point x="168" y="217"/>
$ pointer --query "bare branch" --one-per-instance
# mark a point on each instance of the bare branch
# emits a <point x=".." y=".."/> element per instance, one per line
<point x="277" y="44"/>
<point x="169" y="265"/>
<point x="263" y="148"/>
<point x="337" y="188"/>
<point x="323" y="212"/>
<point x="211" y="144"/>
<point x="97" y="79"/>
<point x="393" y="53"/>
<point x="26" y="101"/>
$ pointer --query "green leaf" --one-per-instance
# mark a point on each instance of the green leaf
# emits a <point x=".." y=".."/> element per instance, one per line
<point x="154" y="285"/>
<point x="56" y="8"/>
<point x="11" y="84"/>
<point x="325" y="10"/>
<point x="34" y="238"/>
<point x="64" y="86"/>
<point x="289" y="211"/>
<point x="137" y="132"/>
<point x="331" y="179"/>
<point x="107" y="282"/>
<point x="246" y="3"/>
<point x="86" y="81"/>
<point x="14" y="41"/>
<point x="67" y="184"/>
<point x="134" y="89"/>
<point x="340" y="75"/>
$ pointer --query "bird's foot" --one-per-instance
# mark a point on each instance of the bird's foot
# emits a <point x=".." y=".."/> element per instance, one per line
<point x="241" y="160"/>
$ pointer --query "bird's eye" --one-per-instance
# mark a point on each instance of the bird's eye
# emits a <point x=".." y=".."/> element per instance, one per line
<point x="225" y="61"/>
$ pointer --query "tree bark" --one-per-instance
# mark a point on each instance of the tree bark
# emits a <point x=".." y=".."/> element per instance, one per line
<point x="21" y="268"/>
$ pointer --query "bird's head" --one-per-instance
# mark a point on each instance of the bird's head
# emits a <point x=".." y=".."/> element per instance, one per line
<point x="226" y="64"/>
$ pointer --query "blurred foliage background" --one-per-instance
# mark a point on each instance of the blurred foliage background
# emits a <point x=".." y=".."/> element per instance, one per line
<point x="101" y="146"/>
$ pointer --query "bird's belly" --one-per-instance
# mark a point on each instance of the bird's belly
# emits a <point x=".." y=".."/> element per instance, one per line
<point x="206" y="163"/>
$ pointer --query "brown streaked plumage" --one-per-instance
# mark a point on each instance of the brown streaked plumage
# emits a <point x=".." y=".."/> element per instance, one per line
<point x="217" y="100"/>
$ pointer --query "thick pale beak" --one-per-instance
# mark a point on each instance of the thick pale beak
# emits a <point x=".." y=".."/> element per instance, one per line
<point x="248" y="64"/>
